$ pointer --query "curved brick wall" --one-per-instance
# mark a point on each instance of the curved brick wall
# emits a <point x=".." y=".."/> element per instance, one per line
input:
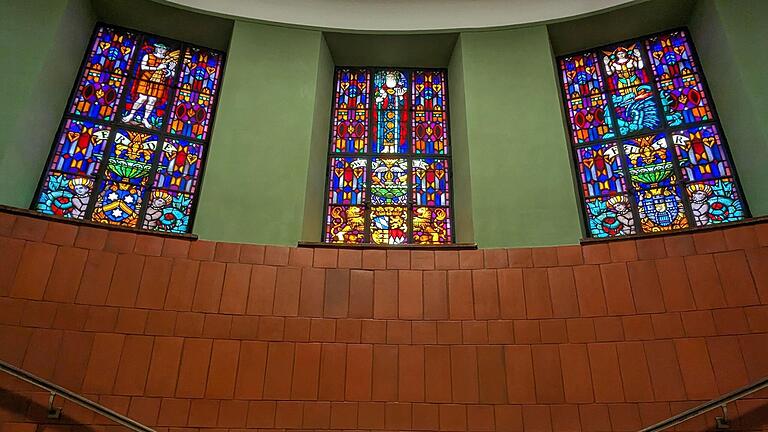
<point x="203" y="335"/>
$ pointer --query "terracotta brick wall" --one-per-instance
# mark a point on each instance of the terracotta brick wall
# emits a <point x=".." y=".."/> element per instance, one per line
<point x="204" y="335"/>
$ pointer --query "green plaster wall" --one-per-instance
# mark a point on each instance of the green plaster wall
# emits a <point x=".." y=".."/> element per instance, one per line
<point x="522" y="187"/>
<point x="256" y="175"/>
<point x="42" y="47"/>
<point x="732" y="41"/>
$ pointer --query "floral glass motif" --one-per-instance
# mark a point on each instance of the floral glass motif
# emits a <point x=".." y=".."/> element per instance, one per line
<point x="670" y="168"/>
<point x="131" y="145"/>
<point x="389" y="158"/>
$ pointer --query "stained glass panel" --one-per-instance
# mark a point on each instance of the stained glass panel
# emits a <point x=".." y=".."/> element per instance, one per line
<point x="131" y="156"/>
<point x="684" y="100"/>
<point x="671" y="169"/>
<point x="610" y="216"/>
<point x="180" y="165"/>
<point x="670" y="55"/>
<point x="190" y="115"/>
<point x="661" y="209"/>
<point x="112" y="51"/>
<point x="701" y="153"/>
<point x="430" y="182"/>
<point x="714" y="202"/>
<point x="636" y="110"/>
<point x="590" y="119"/>
<point x="118" y="204"/>
<point x="352" y="88"/>
<point x="350" y="131"/>
<point x="430" y="133"/>
<point x="80" y="147"/>
<point x="168" y="211"/>
<point x="387" y="126"/>
<point x="97" y="95"/>
<point x="431" y="225"/>
<point x="600" y="169"/>
<point x="200" y="70"/>
<point x="624" y="67"/>
<point x="113" y="161"/>
<point x="389" y="181"/>
<point x="348" y="176"/>
<point x="650" y="161"/>
<point x="428" y="91"/>
<point x="345" y="224"/>
<point x="389" y="225"/>
<point x="581" y="75"/>
<point x="65" y="195"/>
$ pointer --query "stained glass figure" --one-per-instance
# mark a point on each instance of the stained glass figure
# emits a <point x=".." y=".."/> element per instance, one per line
<point x="97" y="95"/>
<point x="600" y="169"/>
<point x="80" y="147"/>
<point x="345" y="224"/>
<point x="131" y="145"/>
<point x="389" y="225"/>
<point x="684" y="101"/>
<point x="670" y="168"/>
<point x="131" y="157"/>
<point x="429" y="132"/>
<point x="190" y="115"/>
<point x="428" y="91"/>
<point x="430" y="182"/>
<point x="348" y="180"/>
<point x="649" y="161"/>
<point x="661" y="209"/>
<point x="200" y="70"/>
<point x="352" y="88"/>
<point x="590" y="119"/>
<point x="389" y="181"/>
<point x="701" y="153"/>
<point x="431" y="225"/>
<point x="624" y="68"/>
<point x="350" y="131"/>
<point x="389" y="158"/>
<point x="581" y="75"/>
<point x="118" y="204"/>
<point x="65" y="195"/>
<point x="610" y="216"/>
<point x="168" y="211"/>
<point x="714" y="202"/>
<point x="636" y="110"/>
<point x="180" y="165"/>
<point x="112" y="51"/>
<point x="670" y="55"/>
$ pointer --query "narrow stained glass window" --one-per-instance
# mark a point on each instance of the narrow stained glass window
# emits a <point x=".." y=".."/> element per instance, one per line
<point x="131" y="146"/>
<point x="650" y="154"/>
<point x="389" y="158"/>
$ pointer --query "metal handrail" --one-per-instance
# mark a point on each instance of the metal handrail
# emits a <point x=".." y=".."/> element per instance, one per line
<point x="71" y="396"/>
<point x="721" y="402"/>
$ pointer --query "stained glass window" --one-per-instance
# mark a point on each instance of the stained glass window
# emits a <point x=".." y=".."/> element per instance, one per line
<point x="650" y="154"/>
<point x="389" y="158"/>
<point x="131" y="146"/>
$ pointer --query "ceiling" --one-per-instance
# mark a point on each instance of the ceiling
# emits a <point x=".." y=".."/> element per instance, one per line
<point x="400" y="15"/>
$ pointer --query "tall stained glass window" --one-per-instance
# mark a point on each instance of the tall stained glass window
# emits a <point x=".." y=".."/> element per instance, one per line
<point x="650" y="153"/>
<point x="389" y="158"/>
<point x="131" y="146"/>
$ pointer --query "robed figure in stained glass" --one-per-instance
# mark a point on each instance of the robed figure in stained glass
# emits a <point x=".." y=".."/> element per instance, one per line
<point x="391" y="87"/>
<point x="155" y="71"/>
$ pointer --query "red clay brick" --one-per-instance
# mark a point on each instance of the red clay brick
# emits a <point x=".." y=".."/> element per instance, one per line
<point x="103" y="363"/>
<point x="134" y="365"/>
<point x="480" y="418"/>
<point x="132" y="321"/>
<point x="453" y="417"/>
<point x="474" y="332"/>
<point x="438" y="374"/>
<point x="425" y="417"/>
<point x="227" y="252"/>
<point x="374" y="259"/>
<point x="176" y="248"/>
<point x="464" y="379"/>
<point x="343" y="415"/>
<point x="595" y="417"/>
<point x="306" y="371"/>
<point x="624" y="417"/>
<point x="646" y="289"/>
<point x="709" y="242"/>
<point x="596" y="253"/>
<point x="164" y="366"/>
<point x="296" y="329"/>
<point x="261" y="293"/>
<point x="154" y="282"/>
<point x="312" y="292"/>
<point x="495" y="258"/>
<point x="125" y="281"/>
<point x="544" y="256"/>
<point x="569" y="255"/>
<point x="471" y="259"/>
<point x="667" y="325"/>
<point x="580" y="330"/>
<point x="486" y="294"/>
<point x="607" y="383"/>
<point x="707" y="291"/>
<point x="698" y="323"/>
<point x="333" y="361"/>
<point x="634" y="372"/>
<point x="29" y="228"/>
<point x="665" y="370"/>
<point x="361" y="294"/>
<point x="675" y="288"/>
<point x="618" y="292"/>
<point x="359" y="372"/>
<point x="422" y="260"/>
<point x="249" y="253"/>
<point x="223" y="369"/>
<point x="730" y="321"/>
<point x="727" y="363"/>
<point x="233" y="414"/>
<point x="736" y="279"/>
<point x="65" y="274"/>
<point x="424" y="332"/>
<point x="42" y="352"/>
<point x="511" y="293"/>
<point x="350" y="258"/>
<point x="637" y="327"/>
<point x="446" y="260"/>
<point x="385" y="294"/>
<point x="411" y="373"/>
<point x="323" y="330"/>
<point x="679" y="245"/>
<point x="520" y="257"/>
<point x="398" y="332"/>
<point x="60" y="234"/>
<point x="148" y="245"/>
<point x="193" y="372"/>
<point x="336" y="304"/>
<point x="527" y="331"/>
<point x="97" y="275"/>
<point x="547" y="373"/>
<point x="210" y="282"/>
<point x="435" y="295"/>
<point x="491" y="374"/>
<point x="650" y="248"/>
<point x="589" y="289"/>
<point x="261" y="414"/>
<point x="277" y="384"/>
<point x="537" y="418"/>
<point x="538" y="302"/>
<point x="696" y="368"/>
<point x="384" y="373"/>
<point x="203" y="413"/>
<point x="623" y="250"/>
<point x="181" y="286"/>
<point x="317" y="415"/>
<point x="325" y="258"/>
<point x="398" y="259"/>
<point x="577" y="382"/>
<point x="189" y="324"/>
<point x="562" y="286"/>
<point x="553" y="331"/>
<point x="410" y="294"/>
<point x="33" y="271"/>
<point x="287" y="291"/>
<point x="250" y="370"/>
<point x="276" y="255"/>
<point x="371" y="415"/>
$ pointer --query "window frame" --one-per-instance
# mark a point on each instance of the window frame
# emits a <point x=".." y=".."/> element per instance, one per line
<point x="370" y="154"/>
<point x="116" y="123"/>
<point x="664" y="130"/>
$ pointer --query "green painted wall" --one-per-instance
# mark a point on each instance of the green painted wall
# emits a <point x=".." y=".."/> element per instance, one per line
<point x="42" y="48"/>
<point x="521" y="180"/>
<point x="256" y="175"/>
<point x="732" y="40"/>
